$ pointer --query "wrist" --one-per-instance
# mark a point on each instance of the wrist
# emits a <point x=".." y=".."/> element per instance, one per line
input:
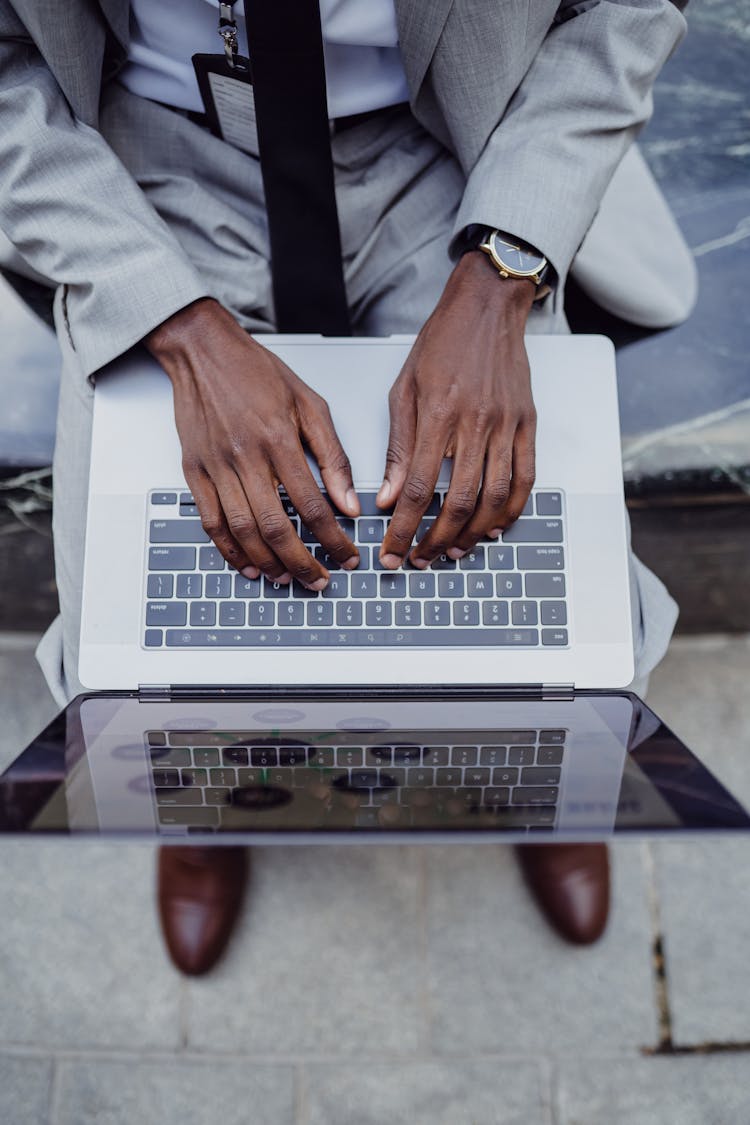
<point x="507" y="294"/>
<point x="186" y="329"/>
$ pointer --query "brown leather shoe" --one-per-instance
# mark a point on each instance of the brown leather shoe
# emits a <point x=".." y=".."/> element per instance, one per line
<point x="571" y="884"/>
<point x="200" y="892"/>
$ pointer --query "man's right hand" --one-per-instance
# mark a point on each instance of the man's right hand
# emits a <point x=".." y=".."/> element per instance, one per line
<point x="242" y="416"/>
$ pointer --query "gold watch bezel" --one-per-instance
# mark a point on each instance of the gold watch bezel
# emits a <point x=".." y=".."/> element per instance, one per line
<point x="487" y="245"/>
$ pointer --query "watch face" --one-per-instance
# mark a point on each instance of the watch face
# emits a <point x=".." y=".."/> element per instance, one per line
<point x="516" y="256"/>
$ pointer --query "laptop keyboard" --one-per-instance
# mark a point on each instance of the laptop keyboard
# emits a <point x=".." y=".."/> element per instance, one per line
<point x="510" y="592"/>
<point x="206" y="781"/>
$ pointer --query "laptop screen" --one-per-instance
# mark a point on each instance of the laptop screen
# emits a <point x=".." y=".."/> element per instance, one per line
<point x="285" y="769"/>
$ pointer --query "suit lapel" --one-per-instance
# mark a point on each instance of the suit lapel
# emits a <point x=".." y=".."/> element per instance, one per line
<point x="117" y="14"/>
<point x="418" y="34"/>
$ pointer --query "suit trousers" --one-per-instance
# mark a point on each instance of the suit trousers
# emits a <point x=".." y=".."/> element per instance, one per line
<point x="397" y="192"/>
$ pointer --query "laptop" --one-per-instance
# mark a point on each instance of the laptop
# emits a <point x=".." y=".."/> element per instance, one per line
<point x="481" y="699"/>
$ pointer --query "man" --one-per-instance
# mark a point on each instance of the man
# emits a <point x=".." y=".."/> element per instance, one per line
<point x="154" y="231"/>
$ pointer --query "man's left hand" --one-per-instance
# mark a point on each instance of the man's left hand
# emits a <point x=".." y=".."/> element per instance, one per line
<point x="465" y="393"/>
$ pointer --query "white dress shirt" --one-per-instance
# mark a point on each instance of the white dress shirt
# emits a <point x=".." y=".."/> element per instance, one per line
<point x="360" y="45"/>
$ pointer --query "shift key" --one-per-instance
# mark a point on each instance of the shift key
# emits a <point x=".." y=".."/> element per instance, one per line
<point x="534" y="795"/>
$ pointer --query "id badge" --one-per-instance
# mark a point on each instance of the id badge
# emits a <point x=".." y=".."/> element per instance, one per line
<point x="227" y="93"/>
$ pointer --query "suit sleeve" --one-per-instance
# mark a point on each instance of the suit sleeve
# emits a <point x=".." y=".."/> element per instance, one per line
<point x="77" y="216"/>
<point x="587" y="93"/>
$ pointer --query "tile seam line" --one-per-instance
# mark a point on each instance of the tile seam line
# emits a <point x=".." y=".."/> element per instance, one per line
<point x="193" y="1055"/>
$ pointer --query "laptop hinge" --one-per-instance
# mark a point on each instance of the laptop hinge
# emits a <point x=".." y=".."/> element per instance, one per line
<point x="558" y="691"/>
<point x="154" y="693"/>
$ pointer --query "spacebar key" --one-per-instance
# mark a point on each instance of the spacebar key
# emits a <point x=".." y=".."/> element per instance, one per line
<point x="350" y="638"/>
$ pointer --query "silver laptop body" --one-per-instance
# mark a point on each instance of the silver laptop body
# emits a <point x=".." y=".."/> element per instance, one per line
<point x="135" y="451"/>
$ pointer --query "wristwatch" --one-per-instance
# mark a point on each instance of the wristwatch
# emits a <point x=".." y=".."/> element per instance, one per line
<point x="514" y="258"/>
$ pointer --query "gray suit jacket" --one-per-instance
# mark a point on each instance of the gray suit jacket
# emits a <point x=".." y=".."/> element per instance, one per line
<point x="537" y="99"/>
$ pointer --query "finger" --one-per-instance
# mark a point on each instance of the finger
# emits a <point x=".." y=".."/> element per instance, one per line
<point x="244" y="528"/>
<point x="215" y="525"/>
<point x="335" y="469"/>
<point x="403" y="415"/>
<point x="416" y="493"/>
<point x="460" y="502"/>
<point x="276" y="534"/>
<point x="314" y="510"/>
<point x="524" y="473"/>
<point x="493" y="499"/>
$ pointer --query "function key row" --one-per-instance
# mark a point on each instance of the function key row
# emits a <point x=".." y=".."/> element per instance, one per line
<point x="208" y="757"/>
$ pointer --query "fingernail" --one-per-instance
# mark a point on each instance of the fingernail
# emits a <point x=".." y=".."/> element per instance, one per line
<point x="352" y="502"/>
<point x="420" y="564"/>
<point x="455" y="553"/>
<point x="318" y="584"/>
<point x="351" y="562"/>
<point x="385" y="493"/>
<point x="251" y="572"/>
<point x="494" y="534"/>
<point x="284" y="578"/>
<point x="391" y="561"/>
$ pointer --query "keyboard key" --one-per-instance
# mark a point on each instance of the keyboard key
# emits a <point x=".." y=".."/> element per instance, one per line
<point x="393" y="585"/>
<point x="235" y="755"/>
<point x="194" y="818"/>
<point x="508" y="585"/>
<point x="319" y="614"/>
<point x="480" y="585"/>
<point x="423" y="528"/>
<point x="189" y="585"/>
<point x="551" y="737"/>
<point x="370" y="530"/>
<point x="548" y="504"/>
<point x="534" y="795"/>
<point x="421" y="585"/>
<point x="505" y="775"/>
<point x="338" y="586"/>
<point x="177" y="531"/>
<point x="348" y="526"/>
<point x="291" y="613"/>
<point x="407" y="755"/>
<point x="163" y="497"/>
<point x="433" y="508"/>
<point x="515" y="736"/>
<point x="451" y="585"/>
<point x="210" y="559"/>
<point x="171" y="558"/>
<point x="275" y="589"/>
<point x="364" y="585"/>
<point x="232" y="613"/>
<point x="370" y="637"/>
<point x="549" y="755"/>
<point x="435" y="755"/>
<point x="301" y="592"/>
<point x="545" y="585"/>
<point x="244" y="587"/>
<point x="179" y="797"/>
<point x="205" y="756"/>
<point x="408" y="613"/>
<point x="217" y="796"/>
<point x="554" y="613"/>
<point x="554" y="636"/>
<point x="541" y="558"/>
<point x="348" y="613"/>
<point x="534" y="531"/>
<point x="349" y="756"/>
<point x="162" y="778"/>
<point x="473" y="560"/>
<point x="443" y="562"/>
<point x="464" y="756"/>
<point x="170" y="756"/>
<point x="523" y="613"/>
<point x="521" y="755"/>
<point x="166" y="613"/>
<point x="202" y="614"/>
<point x="495" y="613"/>
<point x="528" y="508"/>
<point x="264" y="756"/>
<point x="420" y="776"/>
<point x="160" y="586"/>
<point x="194" y="777"/>
<point x="500" y="557"/>
<point x="153" y="638"/>
<point x="189" y="510"/>
<point x="378" y="613"/>
<point x="448" y="777"/>
<point x="380" y="755"/>
<point x="497" y="795"/>
<point x="465" y="613"/>
<point x="326" y="560"/>
<point x="492" y="755"/>
<point x="249" y="777"/>
<point x="540" y="775"/>
<point x="261" y="614"/>
<point x="437" y="613"/>
<point x="367" y="504"/>
<point x="186" y="498"/>
<point x="476" y="775"/>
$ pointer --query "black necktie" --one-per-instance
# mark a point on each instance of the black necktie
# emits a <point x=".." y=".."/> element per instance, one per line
<point x="286" y="55"/>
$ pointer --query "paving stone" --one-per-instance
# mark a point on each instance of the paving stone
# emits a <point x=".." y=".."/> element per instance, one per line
<point x="492" y="1092"/>
<point x="25" y="1090"/>
<point x="26" y="705"/>
<point x="188" y="1091"/>
<point x="327" y="957"/>
<point x="81" y="959"/>
<point x="701" y="690"/>
<point x="501" y="981"/>
<point x="687" y="1090"/>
